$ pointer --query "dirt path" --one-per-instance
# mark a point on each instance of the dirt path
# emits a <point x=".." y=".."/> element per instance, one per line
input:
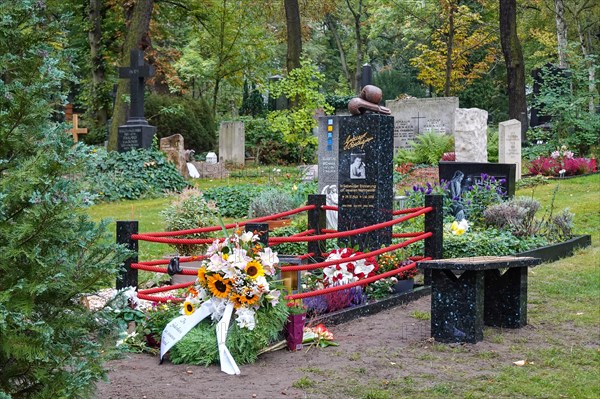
<point x="387" y="346"/>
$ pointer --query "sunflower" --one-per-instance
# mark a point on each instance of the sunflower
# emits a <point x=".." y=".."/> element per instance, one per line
<point x="254" y="269"/>
<point x="219" y="286"/>
<point x="188" y="308"/>
<point x="248" y="298"/>
<point x="237" y="300"/>
<point x="202" y="275"/>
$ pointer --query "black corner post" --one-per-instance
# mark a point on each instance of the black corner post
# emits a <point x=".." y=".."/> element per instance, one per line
<point x="316" y="221"/>
<point x="127" y="276"/>
<point x="434" y="223"/>
<point x="262" y="229"/>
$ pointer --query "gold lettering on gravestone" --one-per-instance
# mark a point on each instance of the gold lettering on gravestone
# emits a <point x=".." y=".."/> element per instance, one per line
<point x="361" y="195"/>
<point x="357" y="141"/>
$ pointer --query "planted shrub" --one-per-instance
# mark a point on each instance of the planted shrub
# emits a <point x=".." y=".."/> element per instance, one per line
<point x="233" y="201"/>
<point x="130" y="175"/>
<point x="192" y="118"/>
<point x="189" y="211"/>
<point x="427" y="148"/>
<point x="51" y="345"/>
<point x="489" y="242"/>
<point x="516" y="215"/>
<point x="272" y="201"/>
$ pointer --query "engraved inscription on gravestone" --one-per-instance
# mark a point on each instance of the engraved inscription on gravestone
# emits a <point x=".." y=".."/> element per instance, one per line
<point x="509" y="144"/>
<point x="416" y="116"/>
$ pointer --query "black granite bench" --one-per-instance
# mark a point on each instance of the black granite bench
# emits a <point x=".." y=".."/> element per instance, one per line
<point x="467" y="293"/>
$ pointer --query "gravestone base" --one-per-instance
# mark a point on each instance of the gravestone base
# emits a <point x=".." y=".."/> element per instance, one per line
<point x="511" y="310"/>
<point x="457" y="305"/>
<point x="135" y="134"/>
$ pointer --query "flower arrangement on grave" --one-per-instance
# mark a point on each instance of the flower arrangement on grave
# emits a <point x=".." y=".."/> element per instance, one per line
<point x="351" y="270"/>
<point x="296" y="307"/>
<point x="387" y="262"/>
<point x="237" y="272"/>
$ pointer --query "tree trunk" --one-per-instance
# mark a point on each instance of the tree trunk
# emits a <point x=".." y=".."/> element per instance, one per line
<point x="294" y="34"/>
<point x="98" y="111"/>
<point x="138" y="24"/>
<point x="332" y="25"/>
<point x="585" y="43"/>
<point x="561" y="33"/>
<point x="360" y="43"/>
<point x="449" y="49"/>
<point x="515" y="67"/>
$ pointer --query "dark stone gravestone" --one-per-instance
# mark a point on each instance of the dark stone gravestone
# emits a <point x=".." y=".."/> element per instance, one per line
<point x="472" y="171"/>
<point x="365" y="170"/>
<point x="554" y="77"/>
<point x="136" y="133"/>
<point x="367" y="75"/>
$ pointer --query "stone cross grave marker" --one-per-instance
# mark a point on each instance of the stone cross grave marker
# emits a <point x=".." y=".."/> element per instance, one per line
<point x="136" y="133"/>
<point x="509" y="144"/>
<point x="415" y="116"/>
<point x="76" y="130"/>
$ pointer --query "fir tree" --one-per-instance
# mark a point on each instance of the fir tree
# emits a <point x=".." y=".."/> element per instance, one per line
<point x="50" y="253"/>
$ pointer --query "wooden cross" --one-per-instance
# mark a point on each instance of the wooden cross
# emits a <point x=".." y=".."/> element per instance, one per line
<point x="136" y="73"/>
<point x="76" y="130"/>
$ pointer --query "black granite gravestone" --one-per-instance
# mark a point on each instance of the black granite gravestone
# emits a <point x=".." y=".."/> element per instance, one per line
<point x="367" y="76"/>
<point x="136" y="133"/>
<point x="472" y="172"/>
<point x="552" y="77"/>
<point x="365" y="170"/>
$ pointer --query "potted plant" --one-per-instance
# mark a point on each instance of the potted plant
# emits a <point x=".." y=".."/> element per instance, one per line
<point x="404" y="280"/>
<point x="294" y="327"/>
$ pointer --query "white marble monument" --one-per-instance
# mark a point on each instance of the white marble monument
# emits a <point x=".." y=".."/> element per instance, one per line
<point x="470" y="135"/>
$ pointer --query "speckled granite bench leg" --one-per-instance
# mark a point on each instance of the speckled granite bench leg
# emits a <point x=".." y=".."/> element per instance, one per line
<point x="505" y="303"/>
<point x="457" y="306"/>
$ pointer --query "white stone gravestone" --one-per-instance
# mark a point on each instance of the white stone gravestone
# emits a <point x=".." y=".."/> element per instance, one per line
<point x="470" y="135"/>
<point x="232" y="142"/>
<point x="509" y="144"/>
<point x="416" y="116"/>
<point x="211" y="158"/>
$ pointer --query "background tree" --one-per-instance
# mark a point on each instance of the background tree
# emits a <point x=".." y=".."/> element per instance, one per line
<point x="50" y="253"/>
<point x="462" y="49"/>
<point x="294" y="34"/>
<point x="138" y="17"/>
<point x="224" y="49"/>
<point x="515" y="65"/>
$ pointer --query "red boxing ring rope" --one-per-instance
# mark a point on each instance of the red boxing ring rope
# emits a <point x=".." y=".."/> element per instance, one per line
<point x="358" y="257"/>
<point x="365" y="281"/>
<point x="348" y="233"/>
<point x="217" y="228"/>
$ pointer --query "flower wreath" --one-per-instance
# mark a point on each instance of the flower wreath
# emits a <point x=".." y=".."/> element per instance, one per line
<point x="350" y="271"/>
<point x="236" y="270"/>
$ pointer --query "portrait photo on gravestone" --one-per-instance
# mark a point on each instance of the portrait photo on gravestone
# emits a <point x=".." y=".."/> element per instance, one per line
<point x="358" y="166"/>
